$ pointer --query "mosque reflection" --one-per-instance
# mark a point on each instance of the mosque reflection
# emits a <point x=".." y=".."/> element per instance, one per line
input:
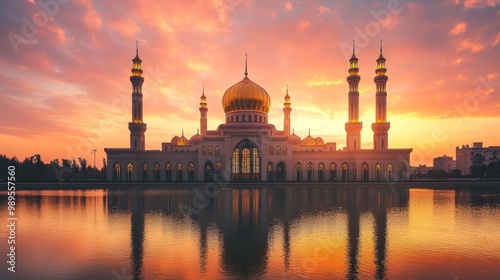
<point x="245" y="216"/>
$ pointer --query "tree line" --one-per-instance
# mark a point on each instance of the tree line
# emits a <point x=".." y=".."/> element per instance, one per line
<point x="33" y="169"/>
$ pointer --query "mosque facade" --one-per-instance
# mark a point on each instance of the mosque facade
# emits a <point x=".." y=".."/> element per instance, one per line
<point x="248" y="148"/>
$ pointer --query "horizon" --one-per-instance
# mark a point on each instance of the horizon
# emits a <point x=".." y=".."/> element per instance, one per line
<point x="68" y="84"/>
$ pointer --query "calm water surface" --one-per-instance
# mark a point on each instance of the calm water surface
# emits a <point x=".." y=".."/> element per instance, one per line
<point x="262" y="233"/>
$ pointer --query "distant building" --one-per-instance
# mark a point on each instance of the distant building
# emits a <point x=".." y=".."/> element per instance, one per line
<point x="445" y="163"/>
<point x="421" y="170"/>
<point x="475" y="155"/>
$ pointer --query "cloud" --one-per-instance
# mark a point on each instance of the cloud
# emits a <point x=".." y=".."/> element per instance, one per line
<point x="459" y="28"/>
<point x="468" y="44"/>
<point x="288" y="6"/>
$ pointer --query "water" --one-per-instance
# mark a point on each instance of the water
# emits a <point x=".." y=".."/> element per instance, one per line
<point x="260" y="233"/>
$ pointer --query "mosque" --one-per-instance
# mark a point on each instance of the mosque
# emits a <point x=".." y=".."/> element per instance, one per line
<point x="248" y="148"/>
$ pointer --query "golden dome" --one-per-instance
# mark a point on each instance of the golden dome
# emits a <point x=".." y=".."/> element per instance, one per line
<point x="180" y="141"/>
<point x="294" y="139"/>
<point x="246" y="95"/>
<point x="309" y="141"/>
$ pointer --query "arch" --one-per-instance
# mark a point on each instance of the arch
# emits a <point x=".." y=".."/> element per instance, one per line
<point x="168" y="172"/>
<point x="243" y="118"/>
<point x="191" y="172"/>
<point x="402" y="172"/>
<point x="117" y="172"/>
<point x="219" y="175"/>
<point x="209" y="171"/>
<point x="210" y="151"/>
<point x="271" y="150"/>
<point x="364" y="172"/>
<point x="378" y="172"/>
<point x="270" y="171"/>
<point x="145" y="172"/>
<point x="217" y="150"/>
<point x="178" y="171"/>
<point x="130" y="172"/>
<point x="310" y="171"/>
<point x="283" y="150"/>
<point x="277" y="150"/>
<point x="345" y="171"/>
<point x="298" y="171"/>
<point x="321" y="168"/>
<point x="156" y="172"/>
<point x="354" y="172"/>
<point x="389" y="172"/>
<point x="245" y="161"/>
<point x="333" y="171"/>
<point x="280" y="171"/>
<point x="204" y="150"/>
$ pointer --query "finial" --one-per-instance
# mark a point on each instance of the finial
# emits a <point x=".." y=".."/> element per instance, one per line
<point x="246" y="63"/>
<point x="309" y="132"/>
<point x="352" y="47"/>
<point x="381" y="47"/>
<point x="183" y="132"/>
<point x="197" y="131"/>
<point x="137" y="48"/>
<point x="293" y="130"/>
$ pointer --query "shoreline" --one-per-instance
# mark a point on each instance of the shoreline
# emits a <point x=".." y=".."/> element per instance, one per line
<point x="20" y="186"/>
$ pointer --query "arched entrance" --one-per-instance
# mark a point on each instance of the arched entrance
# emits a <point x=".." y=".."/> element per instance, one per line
<point x="364" y="172"/>
<point x="270" y="171"/>
<point x="280" y="171"/>
<point x="209" y="171"/>
<point x="117" y="173"/>
<point x="245" y="161"/>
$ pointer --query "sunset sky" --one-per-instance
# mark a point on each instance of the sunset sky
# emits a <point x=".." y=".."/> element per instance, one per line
<point x="65" y="67"/>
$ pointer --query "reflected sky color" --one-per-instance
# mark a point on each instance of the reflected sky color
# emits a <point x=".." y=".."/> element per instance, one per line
<point x="301" y="232"/>
<point x="66" y="79"/>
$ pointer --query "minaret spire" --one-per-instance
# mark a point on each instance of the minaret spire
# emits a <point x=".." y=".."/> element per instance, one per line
<point x="137" y="127"/>
<point x="246" y="65"/>
<point x="286" y="110"/>
<point x="381" y="126"/>
<point x="203" y="112"/>
<point x="353" y="126"/>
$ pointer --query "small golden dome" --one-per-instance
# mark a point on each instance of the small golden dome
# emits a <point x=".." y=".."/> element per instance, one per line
<point x="294" y="139"/>
<point x="246" y="95"/>
<point x="179" y="141"/>
<point x="309" y="141"/>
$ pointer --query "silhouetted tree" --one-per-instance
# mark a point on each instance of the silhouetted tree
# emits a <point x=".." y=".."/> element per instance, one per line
<point x="104" y="170"/>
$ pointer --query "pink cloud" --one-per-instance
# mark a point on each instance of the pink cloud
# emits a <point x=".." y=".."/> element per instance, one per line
<point x="459" y="28"/>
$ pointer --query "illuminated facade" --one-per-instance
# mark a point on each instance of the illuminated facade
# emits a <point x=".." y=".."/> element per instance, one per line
<point x="248" y="148"/>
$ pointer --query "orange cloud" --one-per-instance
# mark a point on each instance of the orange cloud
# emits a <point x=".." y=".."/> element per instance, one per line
<point x="288" y="6"/>
<point x="467" y="44"/>
<point x="459" y="28"/>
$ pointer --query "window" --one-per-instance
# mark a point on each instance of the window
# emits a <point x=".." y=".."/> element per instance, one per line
<point x="219" y="172"/>
<point x="283" y="151"/>
<point x="217" y="150"/>
<point x="179" y="171"/>
<point x="204" y="150"/>
<point x="117" y="173"/>
<point x="310" y="170"/>
<point x="256" y="160"/>
<point x="271" y="150"/>
<point x="333" y="172"/>
<point x="344" y="172"/>
<point x="210" y="151"/>
<point x="270" y="171"/>
<point x="389" y="172"/>
<point x="298" y="171"/>
<point x="245" y="160"/>
<point x="278" y="150"/>
<point x="130" y="172"/>
<point x="168" y="172"/>
<point x="156" y="172"/>
<point x="280" y="171"/>
<point x="190" y="171"/>
<point x="378" y="172"/>
<point x="236" y="161"/>
<point x="321" y="167"/>
<point x="144" y="171"/>
<point x="209" y="171"/>
<point x="364" y="172"/>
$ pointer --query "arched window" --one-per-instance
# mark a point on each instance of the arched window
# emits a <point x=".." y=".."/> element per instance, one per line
<point x="283" y="150"/>
<point x="260" y="118"/>
<point x="310" y="170"/>
<point x="278" y="150"/>
<point x="209" y="171"/>
<point x="179" y="171"/>
<point x="204" y="150"/>
<point x="217" y="150"/>
<point x="280" y="171"/>
<point x="245" y="161"/>
<point x="130" y="172"/>
<point x="344" y="172"/>
<point x="236" y="162"/>
<point x="378" y="172"/>
<point x="355" y="172"/>
<point x="389" y="172"/>
<point x="255" y="118"/>
<point x="270" y="171"/>
<point x="271" y="150"/>
<point x="219" y="172"/>
<point x="321" y="167"/>
<point x="210" y="151"/>
<point x="117" y="172"/>
<point x="364" y="172"/>
<point x="333" y="172"/>
<point x="237" y="118"/>
<point x="145" y="172"/>
<point x="402" y="172"/>
<point x="298" y="171"/>
<point x="156" y="172"/>
<point x="168" y="172"/>
<point x="190" y="171"/>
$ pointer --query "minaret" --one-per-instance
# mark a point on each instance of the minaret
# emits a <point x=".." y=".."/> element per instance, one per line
<point x="203" y="113"/>
<point x="287" y="109"/>
<point x="353" y="126"/>
<point x="380" y="127"/>
<point x="137" y="127"/>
